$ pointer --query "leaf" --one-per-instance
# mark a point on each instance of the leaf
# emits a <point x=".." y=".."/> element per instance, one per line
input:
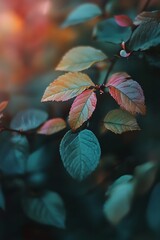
<point x="119" y="202"/>
<point x="146" y="16"/>
<point x="82" y="13"/>
<point x="39" y="160"/>
<point x="14" y="154"/>
<point x="67" y="86"/>
<point x="80" y="153"/>
<point x="127" y="93"/>
<point x="123" y="20"/>
<point x="121" y="180"/>
<point x="48" y="209"/>
<point x="147" y="34"/>
<point x="82" y="108"/>
<point x="80" y="58"/>
<point x="119" y="121"/>
<point x="153" y="216"/>
<point x="3" y="105"/>
<point x="28" y="119"/>
<point x="109" y="31"/>
<point x="52" y="126"/>
<point x="145" y="175"/>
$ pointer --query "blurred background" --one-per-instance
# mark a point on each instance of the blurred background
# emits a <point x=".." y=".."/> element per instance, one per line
<point x="32" y="43"/>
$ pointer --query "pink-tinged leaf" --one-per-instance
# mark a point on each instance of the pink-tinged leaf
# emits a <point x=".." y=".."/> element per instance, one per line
<point x="82" y="108"/>
<point x="127" y="93"/>
<point x="119" y="121"/>
<point x="123" y="20"/>
<point x="3" y="105"/>
<point x="52" y="126"/>
<point x="67" y="86"/>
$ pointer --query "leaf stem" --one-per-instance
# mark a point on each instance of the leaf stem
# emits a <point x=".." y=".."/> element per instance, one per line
<point x="113" y="61"/>
<point x="3" y="128"/>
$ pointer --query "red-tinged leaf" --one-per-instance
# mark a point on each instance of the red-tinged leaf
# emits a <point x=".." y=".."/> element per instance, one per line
<point x="67" y="86"/>
<point x="119" y="121"/>
<point x="3" y="105"/>
<point x="127" y="93"/>
<point x="82" y="108"/>
<point x="52" y="126"/>
<point x="123" y="20"/>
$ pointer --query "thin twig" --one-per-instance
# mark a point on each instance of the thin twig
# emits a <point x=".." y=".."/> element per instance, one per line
<point x="146" y="5"/>
<point x="113" y="61"/>
<point x="21" y="132"/>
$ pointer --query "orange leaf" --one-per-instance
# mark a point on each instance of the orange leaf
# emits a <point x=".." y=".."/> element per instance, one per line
<point x="3" y="105"/>
<point x="52" y="126"/>
<point x="82" y="108"/>
<point x="127" y="93"/>
<point x="67" y="86"/>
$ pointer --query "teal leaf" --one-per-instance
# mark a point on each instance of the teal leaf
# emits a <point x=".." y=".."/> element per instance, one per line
<point x="28" y="119"/>
<point x="14" y="154"/>
<point x="121" y="180"/>
<point x="48" y="209"/>
<point x="37" y="165"/>
<point x="80" y="153"/>
<point x="118" y="205"/>
<point x="109" y="31"/>
<point x="145" y="175"/>
<point x="39" y="160"/>
<point x="146" y="35"/>
<point x="82" y="14"/>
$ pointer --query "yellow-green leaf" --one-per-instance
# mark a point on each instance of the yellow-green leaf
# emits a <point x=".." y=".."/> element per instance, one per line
<point x="67" y="86"/>
<point x="80" y="58"/>
<point x="119" y="121"/>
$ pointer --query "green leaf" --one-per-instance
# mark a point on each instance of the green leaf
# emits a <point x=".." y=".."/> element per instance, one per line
<point x="48" y="209"/>
<point x="80" y="58"/>
<point x="82" y="14"/>
<point x="109" y="31"/>
<point x="119" y="202"/>
<point x="28" y="119"/>
<point x="119" y="121"/>
<point x="80" y="153"/>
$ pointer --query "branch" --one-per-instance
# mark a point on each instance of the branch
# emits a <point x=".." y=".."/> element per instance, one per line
<point x="145" y="6"/>
<point x="21" y="132"/>
<point x="113" y="61"/>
